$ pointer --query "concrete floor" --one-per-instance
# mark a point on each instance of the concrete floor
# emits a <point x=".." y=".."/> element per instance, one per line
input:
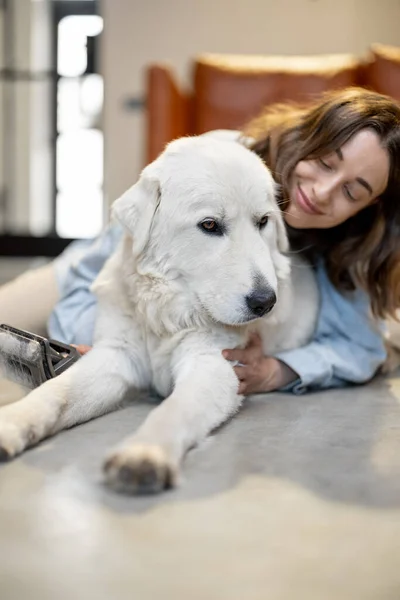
<point x="295" y="498"/>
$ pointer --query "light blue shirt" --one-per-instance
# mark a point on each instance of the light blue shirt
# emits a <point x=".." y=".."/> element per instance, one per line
<point x="347" y="347"/>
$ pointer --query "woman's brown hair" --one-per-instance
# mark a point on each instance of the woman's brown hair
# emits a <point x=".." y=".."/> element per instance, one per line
<point x="365" y="250"/>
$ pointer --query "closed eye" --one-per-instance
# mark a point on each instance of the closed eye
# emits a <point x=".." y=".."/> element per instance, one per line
<point x="349" y="194"/>
<point x="325" y="165"/>
<point x="211" y="227"/>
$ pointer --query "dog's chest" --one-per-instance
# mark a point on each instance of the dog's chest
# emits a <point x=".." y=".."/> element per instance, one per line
<point x="160" y="357"/>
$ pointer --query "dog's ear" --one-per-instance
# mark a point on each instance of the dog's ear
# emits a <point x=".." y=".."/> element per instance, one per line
<point x="136" y="208"/>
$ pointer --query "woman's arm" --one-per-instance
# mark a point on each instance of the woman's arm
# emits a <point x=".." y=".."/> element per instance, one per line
<point x="73" y="318"/>
<point x="347" y="348"/>
<point x="348" y="345"/>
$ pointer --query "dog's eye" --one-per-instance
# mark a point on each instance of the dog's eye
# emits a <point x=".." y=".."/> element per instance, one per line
<point x="211" y="226"/>
<point x="263" y="221"/>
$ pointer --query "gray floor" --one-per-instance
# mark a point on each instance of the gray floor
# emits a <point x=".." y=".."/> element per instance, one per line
<point x="295" y="498"/>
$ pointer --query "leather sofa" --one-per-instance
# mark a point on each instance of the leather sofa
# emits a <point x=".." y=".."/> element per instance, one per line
<point x="228" y="90"/>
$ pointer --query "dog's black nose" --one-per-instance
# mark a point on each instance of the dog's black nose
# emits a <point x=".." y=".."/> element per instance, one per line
<point x="261" y="301"/>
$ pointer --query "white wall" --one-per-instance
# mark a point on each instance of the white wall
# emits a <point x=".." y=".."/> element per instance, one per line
<point x="138" y="32"/>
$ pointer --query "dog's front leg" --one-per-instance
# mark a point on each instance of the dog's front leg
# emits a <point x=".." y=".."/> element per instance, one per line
<point x="205" y="395"/>
<point x="92" y="387"/>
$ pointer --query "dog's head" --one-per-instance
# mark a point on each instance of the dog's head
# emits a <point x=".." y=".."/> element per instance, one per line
<point x="204" y="214"/>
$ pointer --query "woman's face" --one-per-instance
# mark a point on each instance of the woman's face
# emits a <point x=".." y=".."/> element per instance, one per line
<point x="327" y="191"/>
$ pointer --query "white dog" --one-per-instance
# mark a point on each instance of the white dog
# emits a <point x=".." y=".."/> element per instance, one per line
<point x="203" y="261"/>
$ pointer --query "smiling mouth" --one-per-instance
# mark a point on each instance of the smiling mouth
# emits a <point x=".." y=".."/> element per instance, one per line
<point x="305" y="203"/>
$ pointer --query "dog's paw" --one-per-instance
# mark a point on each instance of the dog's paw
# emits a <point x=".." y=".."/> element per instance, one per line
<point x="140" y="469"/>
<point x="13" y="440"/>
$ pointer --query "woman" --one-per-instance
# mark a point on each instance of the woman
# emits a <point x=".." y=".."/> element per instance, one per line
<point x="338" y="166"/>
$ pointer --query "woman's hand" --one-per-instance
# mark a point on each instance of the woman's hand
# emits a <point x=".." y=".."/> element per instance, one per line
<point x="82" y="348"/>
<point x="256" y="372"/>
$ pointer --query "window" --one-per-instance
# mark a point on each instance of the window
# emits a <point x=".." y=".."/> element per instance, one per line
<point x="51" y="100"/>
<point x="79" y="146"/>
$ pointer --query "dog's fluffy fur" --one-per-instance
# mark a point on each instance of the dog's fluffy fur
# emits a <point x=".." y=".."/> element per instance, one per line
<point x="172" y="296"/>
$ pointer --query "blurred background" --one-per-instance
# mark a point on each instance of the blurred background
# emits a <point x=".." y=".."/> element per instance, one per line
<point x="73" y="91"/>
